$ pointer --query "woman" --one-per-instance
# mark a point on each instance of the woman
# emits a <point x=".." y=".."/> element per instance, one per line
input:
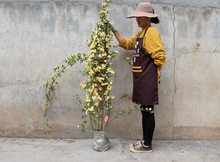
<point x="148" y="58"/>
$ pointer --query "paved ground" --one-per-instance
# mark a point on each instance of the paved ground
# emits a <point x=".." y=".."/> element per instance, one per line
<point x="77" y="150"/>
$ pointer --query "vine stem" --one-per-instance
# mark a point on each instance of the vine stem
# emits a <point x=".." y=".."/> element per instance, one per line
<point x="98" y="119"/>
<point x="91" y="122"/>
<point x="103" y="106"/>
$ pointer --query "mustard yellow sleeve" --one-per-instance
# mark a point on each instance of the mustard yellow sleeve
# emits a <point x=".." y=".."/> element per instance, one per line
<point x="154" y="46"/>
<point x="128" y="44"/>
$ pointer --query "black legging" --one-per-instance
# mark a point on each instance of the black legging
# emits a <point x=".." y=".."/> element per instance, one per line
<point x="148" y="124"/>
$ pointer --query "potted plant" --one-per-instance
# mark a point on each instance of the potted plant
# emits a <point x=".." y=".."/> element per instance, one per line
<point x="98" y="68"/>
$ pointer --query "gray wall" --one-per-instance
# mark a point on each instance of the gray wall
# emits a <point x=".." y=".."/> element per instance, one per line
<point x="36" y="35"/>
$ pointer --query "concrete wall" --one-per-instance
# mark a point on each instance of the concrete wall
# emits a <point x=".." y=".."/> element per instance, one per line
<point x="36" y="35"/>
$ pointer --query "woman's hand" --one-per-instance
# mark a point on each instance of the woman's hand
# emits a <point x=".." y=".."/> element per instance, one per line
<point x="112" y="27"/>
<point x="116" y="33"/>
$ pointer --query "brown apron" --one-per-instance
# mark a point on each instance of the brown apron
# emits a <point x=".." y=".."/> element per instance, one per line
<point x="145" y="85"/>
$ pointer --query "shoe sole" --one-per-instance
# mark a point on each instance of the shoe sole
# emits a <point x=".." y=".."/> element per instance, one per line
<point x="131" y="148"/>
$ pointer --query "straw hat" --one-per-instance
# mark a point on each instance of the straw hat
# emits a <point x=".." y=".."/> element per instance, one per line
<point x="144" y="9"/>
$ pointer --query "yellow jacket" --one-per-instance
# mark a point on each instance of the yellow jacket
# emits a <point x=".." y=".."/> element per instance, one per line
<point x="152" y="44"/>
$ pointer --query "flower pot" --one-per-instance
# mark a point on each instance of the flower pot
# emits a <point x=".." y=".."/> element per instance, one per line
<point x="101" y="143"/>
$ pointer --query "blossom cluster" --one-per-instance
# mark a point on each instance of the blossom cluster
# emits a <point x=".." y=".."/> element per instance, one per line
<point x="98" y="68"/>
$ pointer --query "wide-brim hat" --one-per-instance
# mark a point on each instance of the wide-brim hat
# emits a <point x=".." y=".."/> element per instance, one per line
<point x="144" y="9"/>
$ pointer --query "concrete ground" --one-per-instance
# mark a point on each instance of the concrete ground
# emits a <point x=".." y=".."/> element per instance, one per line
<point x="77" y="150"/>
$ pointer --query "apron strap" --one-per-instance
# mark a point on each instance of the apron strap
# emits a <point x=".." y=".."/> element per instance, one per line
<point x="146" y="30"/>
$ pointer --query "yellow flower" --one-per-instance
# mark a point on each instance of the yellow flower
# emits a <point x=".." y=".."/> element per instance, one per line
<point x="100" y="79"/>
<point x="93" y="98"/>
<point x="95" y="37"/>
<point x="109" y="88"/>
<point x="82" y="84"/>
<point x="101" y="49"/>
<point x="103" y="66"/>
<point x="93" y="51"/>
<point x="109" y="70"/>
<point x="52" y="76"/>
<point x="51" y="85"/>
<point x="104" y="5"/>
<point x="90" y="109"/>
<point x="90" y="90"/>
<point x="91" y="72"/>
<point x="88" y="100"/>
<point x="88" y="42"/>
<point x="92" y="46"/>
<point x="96" y="104"/>
<point x="102" y="34"/>
<point x="100" y="98"/>
<point x="82" y="56"/>
<point x="103" y="12"/>
<point x="99" y="55"/>
<point x="89" y="59"/>
<point x="104" y="84"/>
<point x="97" y="69"/>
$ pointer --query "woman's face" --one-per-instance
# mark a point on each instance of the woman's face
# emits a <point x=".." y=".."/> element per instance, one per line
<point x="143" y="22"/>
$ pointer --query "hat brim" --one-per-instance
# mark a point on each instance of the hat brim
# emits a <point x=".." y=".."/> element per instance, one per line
<point x="142" y="14"/>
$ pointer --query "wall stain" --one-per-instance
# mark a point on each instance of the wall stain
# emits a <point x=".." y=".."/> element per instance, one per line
<point x="126" y="96"/>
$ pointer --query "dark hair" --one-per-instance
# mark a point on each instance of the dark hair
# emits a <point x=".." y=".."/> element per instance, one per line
<point x="155" y="20"/>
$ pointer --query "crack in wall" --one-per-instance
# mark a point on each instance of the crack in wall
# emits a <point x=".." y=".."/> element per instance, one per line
<point x="174" y="68"/>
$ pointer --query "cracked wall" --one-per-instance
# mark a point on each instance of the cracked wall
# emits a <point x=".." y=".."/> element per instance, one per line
<point x="197" y="73"/>
<point x="37" y="35"/>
